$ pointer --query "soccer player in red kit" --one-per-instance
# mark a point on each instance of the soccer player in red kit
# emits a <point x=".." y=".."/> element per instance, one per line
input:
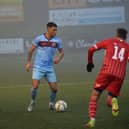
<point x="112" y="73"/>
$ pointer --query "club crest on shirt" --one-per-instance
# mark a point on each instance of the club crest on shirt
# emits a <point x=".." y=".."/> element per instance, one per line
<point x="54" y="44"/>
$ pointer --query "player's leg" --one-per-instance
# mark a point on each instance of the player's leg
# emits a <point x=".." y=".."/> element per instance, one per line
<point x="93" y="107"/>
<point x="53" y="87"/>
<point x="100" y="84"/>
<point x="114" y="91"/>
<point x="36" y="76"/>
<point x="51" y="78"/>
<point x="35" y="84"/>
<point x="109" y="99"/>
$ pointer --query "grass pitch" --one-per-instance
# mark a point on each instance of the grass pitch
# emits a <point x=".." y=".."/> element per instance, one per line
<point x="14" y="101"/>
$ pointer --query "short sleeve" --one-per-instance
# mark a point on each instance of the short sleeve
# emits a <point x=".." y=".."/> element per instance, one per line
<point x="59" y="46"/>
<point x="35" y="42"/>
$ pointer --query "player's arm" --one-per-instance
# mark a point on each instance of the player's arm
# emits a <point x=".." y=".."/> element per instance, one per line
<point x="91" y="50"/>
<point x="29" y="57"/>
<point x="59" y="57"/>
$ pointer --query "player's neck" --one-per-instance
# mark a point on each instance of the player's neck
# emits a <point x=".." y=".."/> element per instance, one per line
<point x="120" y="39"/>
<point x="48" y="36"/>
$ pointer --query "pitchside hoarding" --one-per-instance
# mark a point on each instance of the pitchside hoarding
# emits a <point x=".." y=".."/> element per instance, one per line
<point x="81" y="22"/>
<point x="84" y="22"/>
<point x="11" y="10"/>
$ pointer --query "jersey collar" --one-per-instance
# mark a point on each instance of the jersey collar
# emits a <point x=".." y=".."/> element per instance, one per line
<point x="47" y="37"/>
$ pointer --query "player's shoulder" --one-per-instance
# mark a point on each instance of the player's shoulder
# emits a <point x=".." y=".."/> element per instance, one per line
<point x="57" y="39"/>
<point x="122" y="43"/>
<point x="40" y="36"/>
<point x="127" y="44"/>
<point x="112" y="39"/>
<point x="107" y="40"/>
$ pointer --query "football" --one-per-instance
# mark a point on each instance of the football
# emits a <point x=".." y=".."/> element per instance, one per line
<point x="61" y="106"/>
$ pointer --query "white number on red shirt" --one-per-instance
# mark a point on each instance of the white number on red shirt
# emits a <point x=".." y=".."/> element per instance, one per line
<point x="118" y="54"/>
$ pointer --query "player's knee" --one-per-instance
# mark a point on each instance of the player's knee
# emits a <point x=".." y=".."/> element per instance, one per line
<point x="53" y="86"/>
<point x="35" y="84"/>
<point x="54" y="90"/>
<point x="94" y="97"/>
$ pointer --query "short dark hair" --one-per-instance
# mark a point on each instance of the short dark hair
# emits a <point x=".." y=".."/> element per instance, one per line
<point x="122" y="33"/>
<point x="51" y="24"/>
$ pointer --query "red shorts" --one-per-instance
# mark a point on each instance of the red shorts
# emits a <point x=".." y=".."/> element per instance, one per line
<point x="111" y="83"/>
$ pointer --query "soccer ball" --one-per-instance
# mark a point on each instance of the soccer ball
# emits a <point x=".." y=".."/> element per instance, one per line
<point x="61" y="106"/>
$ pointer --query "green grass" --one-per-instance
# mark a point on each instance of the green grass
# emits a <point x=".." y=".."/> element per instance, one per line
<point x="74" y="87"/>
<point x="14" y="101"/>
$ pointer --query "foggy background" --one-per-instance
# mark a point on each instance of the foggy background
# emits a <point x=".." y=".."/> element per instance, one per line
<point x="81" y="23"/>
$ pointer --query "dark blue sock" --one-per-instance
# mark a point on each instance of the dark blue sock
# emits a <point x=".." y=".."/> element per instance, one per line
<point x="53" y="96"/>
<point x="33" y="93"/>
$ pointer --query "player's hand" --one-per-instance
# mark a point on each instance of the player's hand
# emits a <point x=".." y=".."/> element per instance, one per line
<point x="56" y="60"/>
<point x="89" y="67"/>
<point x="28" y="66"/>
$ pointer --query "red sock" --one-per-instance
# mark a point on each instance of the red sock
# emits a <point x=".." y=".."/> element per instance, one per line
<point x="92" y="107"/>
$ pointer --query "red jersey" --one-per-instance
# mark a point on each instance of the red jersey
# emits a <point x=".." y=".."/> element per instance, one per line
<point x="116" y="56"/>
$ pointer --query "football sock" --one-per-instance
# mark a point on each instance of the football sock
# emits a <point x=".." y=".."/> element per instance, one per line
<point x="33" y="93"/>
<point x="92" y="107"/>
<point x="53" y="96"/>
